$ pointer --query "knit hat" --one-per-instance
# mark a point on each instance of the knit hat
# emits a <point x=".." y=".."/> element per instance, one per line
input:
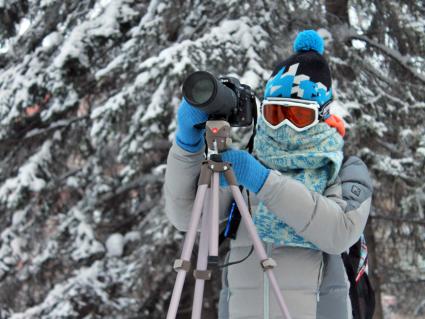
<point x="305" y="74"/>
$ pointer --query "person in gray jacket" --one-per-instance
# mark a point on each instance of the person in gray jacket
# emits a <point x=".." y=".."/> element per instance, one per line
<point x="304" y="207"/>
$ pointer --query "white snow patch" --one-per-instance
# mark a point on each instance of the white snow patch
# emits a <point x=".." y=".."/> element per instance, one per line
<point x="352" y="105"/>
<point x="155" y="107"/>
<point x="46" y="3"/>
<point x="4" y="47"/>
<point x="10" y="191"/>
<point x="115" y="245"/>
<point x="23" y="27"/>
<point x="149" y="15"/>
<point x="18" y="217"/>
<point x="160" y="169"/>
<point x="16" y="244"/>
<point x="326" y="36"/>
<point x="47" y="252"/>
<point x="73" y="48"/>
<point x="379" y="127"/>
<point x="97" y="216"/>
<point x="72" y="181"/>
<point x="357" y="44"/>
<point x="421" y="151"/>
<point x="132" y="236"/>
<point x="360" y="20"/>
<point x="98" y="8"/>
<point x="250" y="78"/>
<point x="51" y="40"/>
<point x="339" y="109"/>
<point x="86" y="244"/>
<point x="112" y="65"/>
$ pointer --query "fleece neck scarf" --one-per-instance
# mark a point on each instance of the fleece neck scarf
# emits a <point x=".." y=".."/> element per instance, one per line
<point x="313" y="157"/>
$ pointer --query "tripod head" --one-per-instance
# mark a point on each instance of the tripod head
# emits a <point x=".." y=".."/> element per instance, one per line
<point x="217" y="136"/>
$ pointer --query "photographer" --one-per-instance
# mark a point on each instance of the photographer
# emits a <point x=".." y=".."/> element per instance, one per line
<point x="304" y="206"/>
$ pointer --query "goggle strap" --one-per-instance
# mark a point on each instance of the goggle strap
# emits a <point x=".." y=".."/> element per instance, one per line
<point x="325" y="110"/>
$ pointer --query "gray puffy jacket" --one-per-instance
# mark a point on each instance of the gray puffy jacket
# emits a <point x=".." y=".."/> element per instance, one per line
<point x="313" y="283"/>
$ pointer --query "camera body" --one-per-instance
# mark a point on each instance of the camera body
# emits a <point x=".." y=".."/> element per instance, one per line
<point x="222" y="99"/>
<point x="241" y="114"/>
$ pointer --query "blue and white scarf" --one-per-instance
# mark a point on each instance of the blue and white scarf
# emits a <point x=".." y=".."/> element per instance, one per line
<point x="313" y="157"/>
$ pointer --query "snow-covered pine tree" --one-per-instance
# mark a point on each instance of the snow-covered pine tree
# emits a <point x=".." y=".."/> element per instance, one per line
<point x="88" y="93"/>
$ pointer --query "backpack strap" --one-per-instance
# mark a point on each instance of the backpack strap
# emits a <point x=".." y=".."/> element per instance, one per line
<point x="367" y="300"/>
<point x="362" y="296"/>
<point x="351" y="273"/>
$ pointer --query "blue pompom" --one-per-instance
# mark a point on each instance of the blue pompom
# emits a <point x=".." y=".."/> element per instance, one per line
<point x="309" y="40"/>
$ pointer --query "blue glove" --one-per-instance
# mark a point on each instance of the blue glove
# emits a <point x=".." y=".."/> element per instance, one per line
<point x="249" y="172"/>
<point x="188" y="137"/>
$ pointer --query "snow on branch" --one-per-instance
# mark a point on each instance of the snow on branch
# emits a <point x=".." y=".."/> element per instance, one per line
<point x="104" y="25"/>
<point x="394" y="54"/>
<point x="159" y="77"/>
<point x="48" y="69"/>
<point x="90" y="281"/>
<point x="399" y="219"/>
<point x="27" y="178"/>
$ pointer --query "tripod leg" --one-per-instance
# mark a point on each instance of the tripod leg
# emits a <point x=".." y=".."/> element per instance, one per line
<point x="182" y="265"/>
<point x="266" y="301"/>
<point x="258" y="246"/>
<point x="201" y="273"/>
<point x="214" y="236"/>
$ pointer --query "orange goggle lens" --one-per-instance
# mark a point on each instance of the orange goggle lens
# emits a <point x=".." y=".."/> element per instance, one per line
<point x="298" y="115"/>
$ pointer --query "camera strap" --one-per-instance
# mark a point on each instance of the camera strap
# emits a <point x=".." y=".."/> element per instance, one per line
<point x="250" y="145"/>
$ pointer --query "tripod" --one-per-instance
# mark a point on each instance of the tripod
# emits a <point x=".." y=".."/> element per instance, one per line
<point x="217" y="137"/>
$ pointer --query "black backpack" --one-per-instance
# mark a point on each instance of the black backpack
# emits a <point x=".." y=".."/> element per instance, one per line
<point x="361" y="292"/>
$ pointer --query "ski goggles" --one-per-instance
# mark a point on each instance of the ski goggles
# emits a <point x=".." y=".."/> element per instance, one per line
<point x="298" y="114"/>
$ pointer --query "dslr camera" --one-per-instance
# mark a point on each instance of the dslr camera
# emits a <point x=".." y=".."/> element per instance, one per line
<point x="222" y="99"/>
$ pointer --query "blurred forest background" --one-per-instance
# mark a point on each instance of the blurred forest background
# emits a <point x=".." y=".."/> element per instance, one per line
<point x="88" y="94"/>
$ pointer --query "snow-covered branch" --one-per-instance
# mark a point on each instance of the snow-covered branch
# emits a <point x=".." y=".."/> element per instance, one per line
<point x="394" y="54"/>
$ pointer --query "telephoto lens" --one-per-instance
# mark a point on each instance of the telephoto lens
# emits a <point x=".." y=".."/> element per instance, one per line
<point x="203" y="90"/>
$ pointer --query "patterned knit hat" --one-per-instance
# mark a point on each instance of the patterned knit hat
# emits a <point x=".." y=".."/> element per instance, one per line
<point x="305" y="74"/>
